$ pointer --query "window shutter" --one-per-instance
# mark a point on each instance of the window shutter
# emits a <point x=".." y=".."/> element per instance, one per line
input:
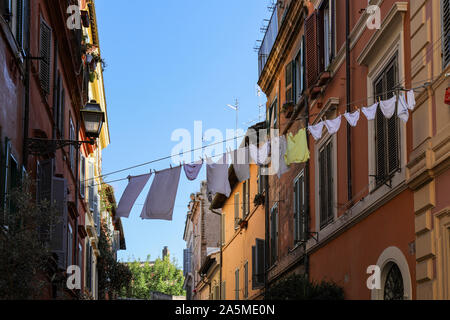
<point x="223" y="228"/>
<point x="6" y="9"/>
<point x="322" y="188"/>
<point x="392" y="124"/>
<point x="59" y="231"/>
<point x="321" y="41"/>
<point x="45" y="54"/>
<point x="223" y="291"/>
<point x="260" y="262"/>
<point x="61" y="112"/>
<point x="246" y="280"/>
<point x="56" y="93"/>
<point x="329" y="166"/>
<point x="254" y="264"/>
<point x="446" y="32"/>
<point x="91" y="185"/>
<point x="82" y="176"/>
<point x="97" y="211"/>
<point x="311" y="50"/>
<point x="296" y="211"/>
<point x="6" y="180"/>
<point x="185" y="262"/>
<point x="236" y="210"/>
<point x="289" y="81"/>
<point x="236" y="284"/>
<point x="20" y="22"/>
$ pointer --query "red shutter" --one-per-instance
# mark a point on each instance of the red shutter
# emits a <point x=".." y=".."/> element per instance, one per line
<point x="311" y="50"/>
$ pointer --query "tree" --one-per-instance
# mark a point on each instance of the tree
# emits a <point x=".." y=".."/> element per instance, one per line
<point x="113" y="276"/>
<point x="162" y="276"/>
<point x="24" y="253"/>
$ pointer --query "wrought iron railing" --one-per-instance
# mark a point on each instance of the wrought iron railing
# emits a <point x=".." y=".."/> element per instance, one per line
<point x="268" y="41"/>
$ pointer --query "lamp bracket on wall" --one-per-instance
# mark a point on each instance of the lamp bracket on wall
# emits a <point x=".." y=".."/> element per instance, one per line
<point x="43" y="147"/>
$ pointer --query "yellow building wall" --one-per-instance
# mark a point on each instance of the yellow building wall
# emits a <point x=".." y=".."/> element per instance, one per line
<point x="237" y="249"/>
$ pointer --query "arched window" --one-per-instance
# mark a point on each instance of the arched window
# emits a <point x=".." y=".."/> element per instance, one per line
<point x="393" y="286"/>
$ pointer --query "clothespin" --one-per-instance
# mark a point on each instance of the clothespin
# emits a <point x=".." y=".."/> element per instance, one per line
<point x="171" y="166"/>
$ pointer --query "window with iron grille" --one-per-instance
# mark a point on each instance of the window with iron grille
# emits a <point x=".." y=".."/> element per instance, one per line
<point x="45" y="55"/>
<point x="274" y="234"/>
<point x="445" y="32"/>
<point x="299" y="208"/>
<point x="326" y="182"/>
<point x="387" y="143"/>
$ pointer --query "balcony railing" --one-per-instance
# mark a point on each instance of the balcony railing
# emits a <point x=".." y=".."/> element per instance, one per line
<point x="268" y="41"/>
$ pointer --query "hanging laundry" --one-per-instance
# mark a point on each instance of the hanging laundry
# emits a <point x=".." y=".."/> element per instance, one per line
<point x="316" y="130"/>
<point x="192" y="170"/>
<point x="370" y="112"/>
<point x="388" y="107"/>
<point x="131" y="193"/>
<point x="279" y="145"/>
<point x="333" y="125"/>
<point x="161" y="197"/>
<point x="411" y="100"/>
<point x="260" y="156"/>
<point x="352" y="118"/>
<point x="297" y="148"/>
<point x="217" y="177"/>
<point x="402" y="108"/>
<point x="241" y="163"/>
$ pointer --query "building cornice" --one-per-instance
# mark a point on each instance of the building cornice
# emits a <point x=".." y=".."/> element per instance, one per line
<point x="287" y="34"/>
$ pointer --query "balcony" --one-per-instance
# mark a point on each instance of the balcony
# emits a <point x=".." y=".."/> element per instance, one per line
<point x="268" y="41"/>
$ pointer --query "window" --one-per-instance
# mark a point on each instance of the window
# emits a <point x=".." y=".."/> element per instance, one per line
<point x="80" y="256"/>
<point x="223" y="291"/>
<point x="83" y="176"/>
<point x="299" y="208"/>
<point x="60" y="108"/>
<point x="261" y="181"/>
<point x="393" y="287"/>
<point x="386" y="130"/>
<point x="72" y="148"/>
<point x="45" y="54"/>
<point x="274" y="234"/>
<point x="446" y="32"/>
<point x="69" y="246"/>
<point x="274" y="111"/>
<point x="258" y="264"/>
<point x="289" y="81"/>
<point x="326" y="185"/>
<point x="326" y="16"/>
<point x="236" y="210"/>
<point x="91" y="185"/>
<point x="299" y="74"/>
<point x="246" y="280"/>
<point x="236" y="284"/>
<point x="245" y="199"/>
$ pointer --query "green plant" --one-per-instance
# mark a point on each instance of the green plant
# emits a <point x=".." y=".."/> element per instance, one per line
<point x="162" y="276"/>
<point x="297" y="287"/>
<point x="24" y="253"/>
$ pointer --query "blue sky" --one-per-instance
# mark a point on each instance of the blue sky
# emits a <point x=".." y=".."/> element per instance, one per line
<point x="170" y="63"/>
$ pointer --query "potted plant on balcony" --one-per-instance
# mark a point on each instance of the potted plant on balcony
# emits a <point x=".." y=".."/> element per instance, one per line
<point x="259" y="199"/>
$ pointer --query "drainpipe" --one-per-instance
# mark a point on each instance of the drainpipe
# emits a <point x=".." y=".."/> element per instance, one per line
<point x="348" y="74"/>
<point x="27" y="92"/>
<point x="307" y="211"/>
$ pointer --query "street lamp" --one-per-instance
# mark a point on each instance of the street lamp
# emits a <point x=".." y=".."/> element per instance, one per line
<point x="93" y="118"/>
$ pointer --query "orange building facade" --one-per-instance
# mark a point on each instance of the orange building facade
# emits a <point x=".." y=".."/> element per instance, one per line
<point x="350" y="206"/>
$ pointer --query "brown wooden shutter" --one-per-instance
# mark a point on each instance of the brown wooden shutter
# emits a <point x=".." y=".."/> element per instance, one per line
<point x="45" y="54"/>
<point x="446" y="32"/>
<point x="392" y="124"/>
<point x="322" y="188"/>
<point x="254" y="263"/>
<point x="330" y="181"/>
<point x="59" y="230"/>
<point x="289" y="81"/>
<point x="380" y="135"/>
<point x="321" y="41"/>
<point x="311" y="50"/>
